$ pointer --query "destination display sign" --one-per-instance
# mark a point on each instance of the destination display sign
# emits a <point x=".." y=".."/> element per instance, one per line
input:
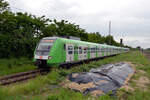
<point x="47" y="41"/>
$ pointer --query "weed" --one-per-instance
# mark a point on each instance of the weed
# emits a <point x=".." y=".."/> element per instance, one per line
<point x="13" y="65"/>
<point x="33" y="89"/>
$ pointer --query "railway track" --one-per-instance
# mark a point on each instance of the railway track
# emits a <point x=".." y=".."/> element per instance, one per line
<point x="23" y="76"/>
<point x="147" y="54"/>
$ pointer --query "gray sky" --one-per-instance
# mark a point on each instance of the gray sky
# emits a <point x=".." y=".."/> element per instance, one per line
<point x="130" y="18"/>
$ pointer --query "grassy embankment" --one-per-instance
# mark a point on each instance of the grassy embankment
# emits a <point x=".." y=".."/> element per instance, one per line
<point x="47" y="87"/>
<point x="11" y="66"/>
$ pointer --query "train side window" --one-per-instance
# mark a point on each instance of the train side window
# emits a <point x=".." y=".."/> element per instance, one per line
<point x="80" y="50"/>
<point x="70" y="52"/>
<point x="85" y="50"/>
<point x="98" y="50"/>
<point x="105" y="50"/>
<point x="70" y="49"/>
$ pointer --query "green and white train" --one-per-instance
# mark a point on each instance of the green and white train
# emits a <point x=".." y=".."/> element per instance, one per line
<point x="60" y="51"/>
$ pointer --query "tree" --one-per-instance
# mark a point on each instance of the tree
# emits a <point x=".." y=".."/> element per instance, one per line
<point x="4" y="6"/>
<point x="21" y="31"/>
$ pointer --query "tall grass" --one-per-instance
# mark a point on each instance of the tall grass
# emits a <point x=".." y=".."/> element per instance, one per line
<point x="47" y="87"/>
<point x="13" y="65"/>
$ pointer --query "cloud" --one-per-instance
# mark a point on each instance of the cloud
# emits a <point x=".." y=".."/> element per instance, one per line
<point x="130" y="18"/>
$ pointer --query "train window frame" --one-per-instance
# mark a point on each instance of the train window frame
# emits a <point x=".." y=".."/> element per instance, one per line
<point x="69" y="48"/>
<point x="70" y="52"/>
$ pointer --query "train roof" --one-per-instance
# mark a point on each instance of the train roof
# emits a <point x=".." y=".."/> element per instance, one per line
<point x="82" y="42"/>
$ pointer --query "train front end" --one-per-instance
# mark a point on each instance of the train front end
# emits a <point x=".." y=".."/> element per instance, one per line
<point x="42" y="51"/>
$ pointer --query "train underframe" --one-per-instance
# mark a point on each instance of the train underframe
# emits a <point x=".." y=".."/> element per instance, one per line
<point x="43" y="63"/>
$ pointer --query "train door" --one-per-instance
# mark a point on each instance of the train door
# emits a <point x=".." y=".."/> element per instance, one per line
<point x="99" y="51"/>
<point x="105" y="51"/>
<point x="85" y="52"/>
<point x="69" y="52"/>
<point x="80" y="53"/>
<point x="93" y="52"/>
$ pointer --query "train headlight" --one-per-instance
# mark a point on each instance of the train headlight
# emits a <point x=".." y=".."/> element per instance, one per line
<point x="49" y="57"/>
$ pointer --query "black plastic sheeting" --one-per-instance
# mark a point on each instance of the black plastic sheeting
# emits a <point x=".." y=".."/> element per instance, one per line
<point x="106" y="78"/>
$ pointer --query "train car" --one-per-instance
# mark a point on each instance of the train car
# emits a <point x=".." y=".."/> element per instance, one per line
<point x="58" y="51"/>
